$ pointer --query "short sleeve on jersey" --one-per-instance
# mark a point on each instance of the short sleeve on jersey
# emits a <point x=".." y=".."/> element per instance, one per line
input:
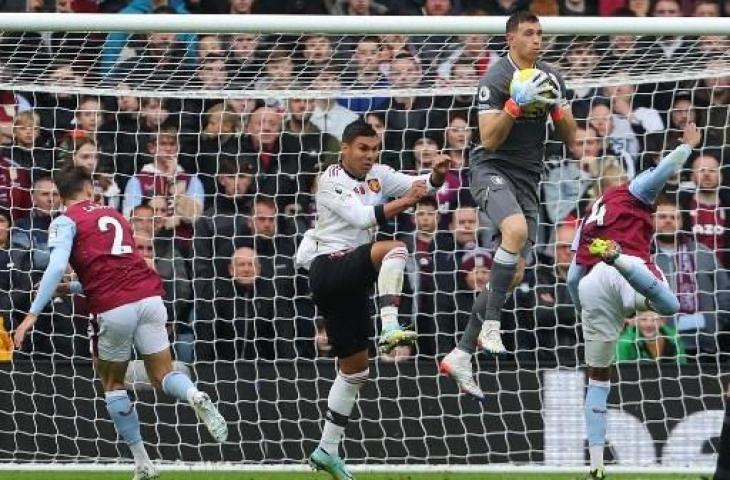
<point x="61" y="232"/>
<point x="491" y="96"/>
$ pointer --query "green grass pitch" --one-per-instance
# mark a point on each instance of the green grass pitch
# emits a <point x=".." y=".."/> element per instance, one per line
<point x="71" y="475"/>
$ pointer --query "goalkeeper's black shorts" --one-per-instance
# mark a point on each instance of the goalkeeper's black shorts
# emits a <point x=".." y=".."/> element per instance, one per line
<point x="341" y="285"/>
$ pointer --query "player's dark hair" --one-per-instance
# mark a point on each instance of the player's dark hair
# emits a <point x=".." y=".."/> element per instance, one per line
<point x="523" y="16"/>
<point x="71" y="181"/>
<point x="358" y="128"/>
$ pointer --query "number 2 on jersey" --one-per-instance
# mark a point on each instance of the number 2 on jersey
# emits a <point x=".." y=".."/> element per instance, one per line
<point x="117" y="247"/>
<point x="598" y="211"/>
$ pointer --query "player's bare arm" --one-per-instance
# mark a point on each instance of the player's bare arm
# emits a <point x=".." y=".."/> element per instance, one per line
<point x="494" y="129"/>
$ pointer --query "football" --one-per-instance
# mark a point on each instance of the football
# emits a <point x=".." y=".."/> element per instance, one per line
<point x="535" y="108"/>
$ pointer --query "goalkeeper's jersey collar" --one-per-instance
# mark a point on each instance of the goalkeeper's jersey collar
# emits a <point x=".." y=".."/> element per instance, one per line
<point x="514" y="64"/>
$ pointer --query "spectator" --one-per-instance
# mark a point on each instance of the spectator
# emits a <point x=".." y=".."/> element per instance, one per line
<point x="706" y="8"/>
<point x="639" y="8"/>
<point x="430" y="273"/>
<point x="223" y="224"/>
<point x="713" y="94"/>
<point x="432" y="46"/>
<point x="465" y="229"/>
<point x="278" y="73"/>
<point x="209" y="45"/>
<point x="364" y="74"/>
<point x="118" y="138"/>
<point x="643" y="120"/>
<point x="359" y="7"/>
<point x="568" y="182"/>
<point x="280" y="174"/>
<point x="648" y="337"/>
<point x="165" y="177"/>
<point x="317" y="53"/>
<point x="706" y="212"/>
<point x="617" y="136"/>
<point x="556" y="323"/>
<point x="245" y="320"/>
<point x="241" y="7"/>
<point x="15" y="185"/>
<point x="30" y="150"/>
<point x="212" y="73"/>
<point x="218" y="139"/>
<point x="580" y="60"/>
<point x="86" y="155"/>
<point x="472" y="51"/>
<point x="30" y="233"/>
<point x="242" y="62"/>
<point x="683" y="112"/>
<point x="57" y="109"/>
<point x="463" y="74"/>
<point x="578" y="8"/>
<point x="15" y="289"/>
<point x="457" y="141"/>
<point x="143" y="219"/>
<point x="11" y="104"/>
<point x="303" y="136"/>
<point x="157" y="45"/>
<point x="408" y="117"/>
<point x="328" y="115"/>
<point x="692" y="271"/>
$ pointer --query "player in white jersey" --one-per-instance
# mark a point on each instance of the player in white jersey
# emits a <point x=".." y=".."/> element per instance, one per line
<point x="344" y="262"/>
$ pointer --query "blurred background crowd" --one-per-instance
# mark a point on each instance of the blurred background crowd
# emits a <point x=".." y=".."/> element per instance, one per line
<point x="219" y="188"/>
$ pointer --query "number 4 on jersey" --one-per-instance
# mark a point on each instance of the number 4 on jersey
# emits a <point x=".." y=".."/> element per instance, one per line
<point x="598" y="211"/>
<point x="117" y="247"/>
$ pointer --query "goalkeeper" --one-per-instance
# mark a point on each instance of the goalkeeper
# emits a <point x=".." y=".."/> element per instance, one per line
<point x="505" y="174"/>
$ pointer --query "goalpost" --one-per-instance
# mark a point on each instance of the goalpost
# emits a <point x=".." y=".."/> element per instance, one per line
<point x="123" y="71"/>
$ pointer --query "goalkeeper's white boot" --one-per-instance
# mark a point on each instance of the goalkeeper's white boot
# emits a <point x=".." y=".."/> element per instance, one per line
<point x="395" y="336"/>
<point x="146" y="472"/>
<point x="210" y="416"/>
<point x="490" y="337"/>
<point x="457" y="365"/>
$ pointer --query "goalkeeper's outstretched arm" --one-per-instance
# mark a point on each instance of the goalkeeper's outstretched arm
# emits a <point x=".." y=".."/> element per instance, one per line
<point x="647" y="186"/>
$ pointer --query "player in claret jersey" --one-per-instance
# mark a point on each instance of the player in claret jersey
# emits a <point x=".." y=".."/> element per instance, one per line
<point x="124" y="295"/>
<point x="612" y="277"/>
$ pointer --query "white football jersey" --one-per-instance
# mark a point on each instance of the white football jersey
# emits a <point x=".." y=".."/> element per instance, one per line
<point x="346" y="208"/>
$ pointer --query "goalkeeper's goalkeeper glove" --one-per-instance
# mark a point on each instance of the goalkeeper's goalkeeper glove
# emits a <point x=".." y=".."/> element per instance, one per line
<point x="532" y="90"/>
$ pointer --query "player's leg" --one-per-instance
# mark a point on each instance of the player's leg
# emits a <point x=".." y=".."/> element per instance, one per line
<point x="152" y="343"/>
<point x="352" y="375"/>
<point x="389" y="259"/>
<point x="659" y="296"/>
<point x="602" y="316"/>
<point x="722" y="469"/>
<point x="113" y="349"/>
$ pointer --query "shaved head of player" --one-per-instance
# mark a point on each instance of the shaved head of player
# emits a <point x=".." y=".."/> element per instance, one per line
<point x="516" y="97"/>
<point x="344" y="262"/>
<point x="124" y="295"/>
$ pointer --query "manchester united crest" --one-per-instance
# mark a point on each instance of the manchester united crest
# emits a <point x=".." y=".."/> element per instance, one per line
<point x="374" y="185"/>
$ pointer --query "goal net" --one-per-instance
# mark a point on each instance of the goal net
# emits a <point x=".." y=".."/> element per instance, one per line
<point x="212" y="142"/>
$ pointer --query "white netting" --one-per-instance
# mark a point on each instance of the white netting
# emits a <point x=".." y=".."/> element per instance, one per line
<point x="250" y="120"/>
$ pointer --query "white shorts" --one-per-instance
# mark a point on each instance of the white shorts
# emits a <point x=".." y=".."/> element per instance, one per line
<point x="606" y="300"/>
<point x="141" y="323"/>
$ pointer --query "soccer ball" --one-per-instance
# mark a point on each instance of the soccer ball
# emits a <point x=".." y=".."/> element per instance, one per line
<point x="536" y="108"/>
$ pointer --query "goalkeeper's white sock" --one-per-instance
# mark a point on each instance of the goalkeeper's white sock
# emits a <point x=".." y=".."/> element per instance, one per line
<point x="390" y="285"/>
<point x="340" y="402"/>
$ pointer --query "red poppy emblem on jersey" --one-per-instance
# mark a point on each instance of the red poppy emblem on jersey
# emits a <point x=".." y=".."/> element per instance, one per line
<point x="374" y="185"/>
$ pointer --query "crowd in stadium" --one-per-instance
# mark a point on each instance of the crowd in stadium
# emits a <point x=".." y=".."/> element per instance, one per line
<point x="219" y="191"/>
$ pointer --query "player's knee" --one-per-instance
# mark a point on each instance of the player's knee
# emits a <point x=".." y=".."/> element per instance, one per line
<point x="514" y="232"/>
